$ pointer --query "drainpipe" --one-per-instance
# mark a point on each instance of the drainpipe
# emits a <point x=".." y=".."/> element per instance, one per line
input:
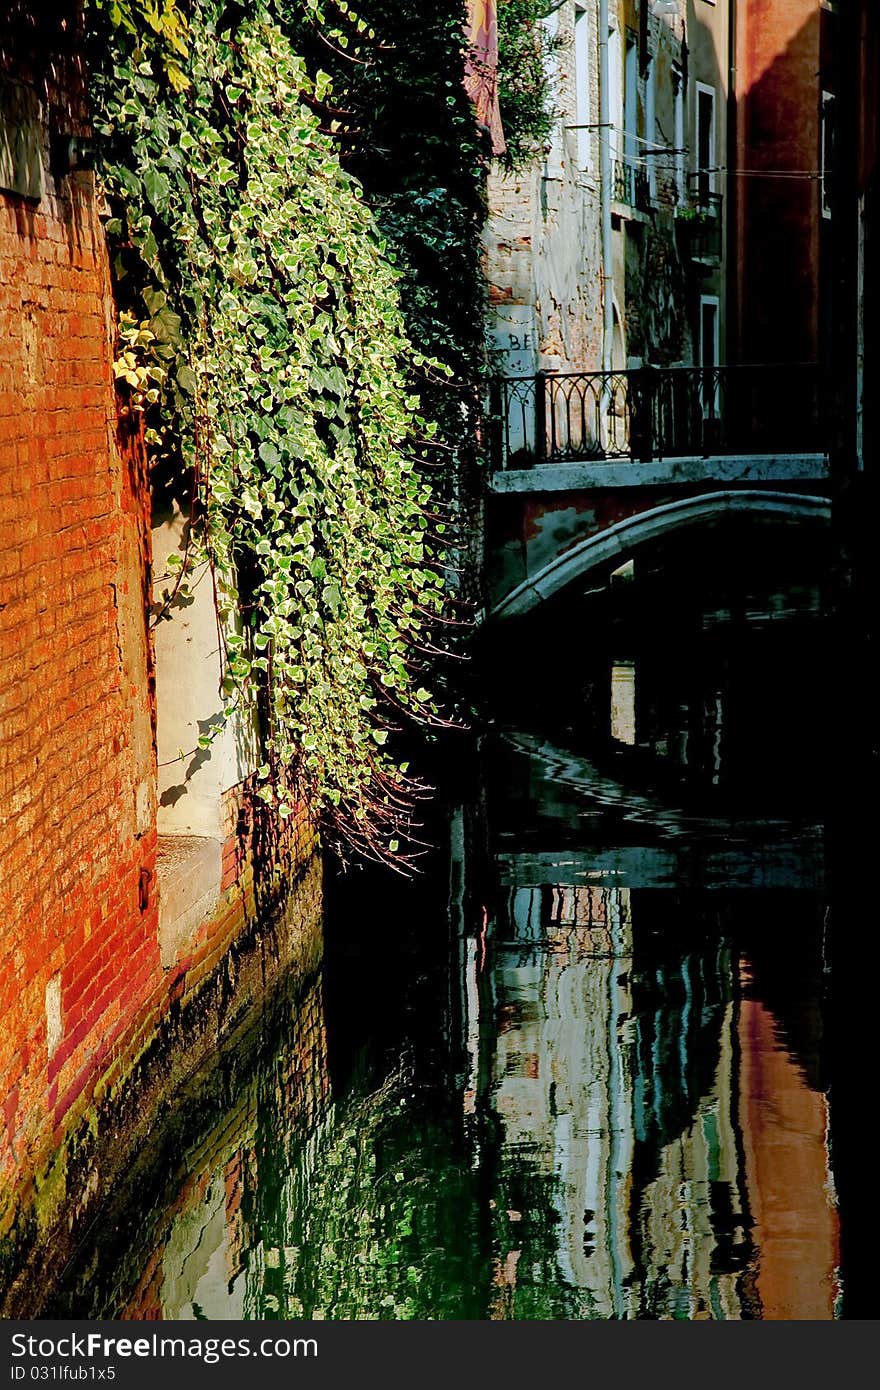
<point x="605" y="185"/>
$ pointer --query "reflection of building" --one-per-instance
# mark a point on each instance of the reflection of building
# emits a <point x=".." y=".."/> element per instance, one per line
<point x="854" y="378"/>
<point x="785" y="1152"/>
<point x="624" y="1185"/>
<point x="558" y="1078"/>
<point x="692" y="1219"/>
<point x="692" y="1213"/>
<point x="220" y="1250"/>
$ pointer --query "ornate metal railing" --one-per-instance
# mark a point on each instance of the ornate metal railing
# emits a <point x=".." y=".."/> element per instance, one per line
<point x="631" y="185"/>
<point x="701" y="226"/>
<point x="655" y="412"/>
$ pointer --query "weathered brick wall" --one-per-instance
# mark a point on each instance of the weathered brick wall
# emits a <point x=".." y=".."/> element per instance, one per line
<point x="93" y="1025"/>
<point x="78" y="947"/>
<point x="542" y="235"/>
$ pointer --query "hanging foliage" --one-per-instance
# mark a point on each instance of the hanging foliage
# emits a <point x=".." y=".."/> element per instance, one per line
<point x="407" y="131"/>
<point x="262" y="334"/>
<point x="525" y="94"/>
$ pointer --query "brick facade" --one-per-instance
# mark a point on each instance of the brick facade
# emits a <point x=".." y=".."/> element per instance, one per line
<point x="84" y="992"/>
<point x="78" y="947"/>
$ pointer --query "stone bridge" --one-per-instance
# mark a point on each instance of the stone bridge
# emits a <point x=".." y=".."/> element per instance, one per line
<point x="561" y="518"/>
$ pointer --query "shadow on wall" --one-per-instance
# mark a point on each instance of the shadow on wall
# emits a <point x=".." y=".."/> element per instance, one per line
<point x="778" y="193"/>
<point x="44" y="130"/>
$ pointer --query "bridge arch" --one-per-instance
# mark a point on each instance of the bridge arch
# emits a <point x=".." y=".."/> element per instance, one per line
<point x="627" y="536"/>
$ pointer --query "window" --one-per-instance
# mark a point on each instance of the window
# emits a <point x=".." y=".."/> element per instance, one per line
<point x="705" y="141"/>
<point x="709" y="355"/>
<point x="630" y="99"/>
<point x="615" y="82"/>
<point x="678" y="135"/>
<point x="555" y="146"/>
<point x="651" y="126"/>
<point x="582" y="87"/>
<point x="709" y="339"/>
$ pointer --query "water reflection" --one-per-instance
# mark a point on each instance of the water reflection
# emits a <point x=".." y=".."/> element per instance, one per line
<point x="713" y="733"/>
<point x="294" y="1205"/>
<point x="653" y="1118"/>
<point x="699" y="676"/>
<point x="595" y="1086"/>
<point x="623" y="702"/>
<point x="637" y="1129"/>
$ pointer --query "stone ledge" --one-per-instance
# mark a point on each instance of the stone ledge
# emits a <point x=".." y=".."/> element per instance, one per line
<point x="622" y="473"/>
<point x="189" y="871"/>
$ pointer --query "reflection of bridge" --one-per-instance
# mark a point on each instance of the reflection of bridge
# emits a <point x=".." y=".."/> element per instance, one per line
<point x="590" y="466"/>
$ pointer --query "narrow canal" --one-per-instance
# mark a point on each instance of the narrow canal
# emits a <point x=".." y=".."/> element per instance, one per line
<point x="579" y="1069"/>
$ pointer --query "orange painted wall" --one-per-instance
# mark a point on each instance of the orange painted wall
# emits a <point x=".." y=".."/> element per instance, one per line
<point x="778" y="224"/>
<point x="82" y="990"/>
<point x="783" y="1123"/>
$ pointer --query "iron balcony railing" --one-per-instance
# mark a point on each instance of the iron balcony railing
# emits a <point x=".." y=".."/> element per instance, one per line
<point x="654" y="413"/>
<point x="631" y="185"/>
<point x="701" y="226"/>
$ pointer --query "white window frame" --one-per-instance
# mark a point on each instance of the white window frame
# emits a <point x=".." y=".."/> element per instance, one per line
<point x="713" y="301"/>
<point x="703" y="89"/>
<point x="555" y="149"/>
<point x="631" y="99"/>
<point x="650" y="145"/>
<point x="616" y="80"/>
<point x="582" y="94"/>
<point x="678" y="137"/>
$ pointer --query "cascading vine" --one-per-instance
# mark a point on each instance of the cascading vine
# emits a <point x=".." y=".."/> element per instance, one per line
<point x="526" y="93"/>
<point x="262" y="336"/>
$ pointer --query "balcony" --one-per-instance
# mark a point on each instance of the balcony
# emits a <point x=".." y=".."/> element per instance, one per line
<point x="655" y="413"/>
<point x="700" y="229"/>
<point x="632" y="186"/>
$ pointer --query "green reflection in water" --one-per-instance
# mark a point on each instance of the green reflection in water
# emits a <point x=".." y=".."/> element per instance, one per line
<point x="615" y="1145"/>
<point x="375" y="1217"/>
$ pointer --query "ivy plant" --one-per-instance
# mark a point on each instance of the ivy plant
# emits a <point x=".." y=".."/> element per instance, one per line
<point x="525" y="95"/>
<point x="262" y="335"/>
<point x="406" y="131"/>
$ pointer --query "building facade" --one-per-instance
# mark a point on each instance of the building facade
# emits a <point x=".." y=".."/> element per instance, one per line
<point x="784" y="115"/>
<point x="608" y="250"/>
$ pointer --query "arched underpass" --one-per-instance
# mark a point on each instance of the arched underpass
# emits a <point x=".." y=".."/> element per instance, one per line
<point x="624" y="538"/>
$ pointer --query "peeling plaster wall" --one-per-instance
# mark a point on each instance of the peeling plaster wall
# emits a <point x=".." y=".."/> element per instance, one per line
<point x="543" y="236"/>
<point x="543" y="254"/>
<point x="189" y="702"/>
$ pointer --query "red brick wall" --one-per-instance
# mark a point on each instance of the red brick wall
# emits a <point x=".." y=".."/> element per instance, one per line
<point x="85" y="1005"/>
<point x="77" y="843"/>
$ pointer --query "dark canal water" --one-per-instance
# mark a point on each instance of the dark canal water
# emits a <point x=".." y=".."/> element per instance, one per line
<point x="581" y="1069"/>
